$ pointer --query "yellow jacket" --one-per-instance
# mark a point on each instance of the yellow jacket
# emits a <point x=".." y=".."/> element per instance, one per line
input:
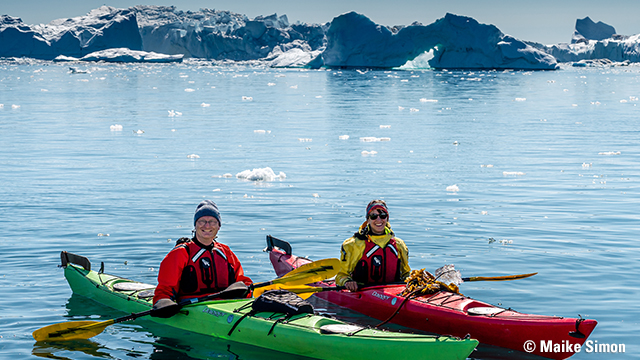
<point x="353" y="248"/>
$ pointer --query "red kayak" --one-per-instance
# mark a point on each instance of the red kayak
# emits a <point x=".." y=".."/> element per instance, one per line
<point x="451" y="314"/>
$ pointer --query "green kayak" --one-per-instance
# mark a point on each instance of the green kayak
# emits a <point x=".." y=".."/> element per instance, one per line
<point x="307" y="335"/>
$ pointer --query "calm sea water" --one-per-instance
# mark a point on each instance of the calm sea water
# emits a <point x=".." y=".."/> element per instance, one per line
<point x="496" y="172"/>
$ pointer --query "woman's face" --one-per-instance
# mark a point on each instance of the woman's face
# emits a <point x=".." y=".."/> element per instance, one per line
<point x="207" y="229"/>
<point x="378" y="224"/>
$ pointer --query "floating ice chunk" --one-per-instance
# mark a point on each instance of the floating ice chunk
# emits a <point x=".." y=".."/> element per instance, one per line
<point x="173" y="113"/>
<point x="373" y="139"/>
<point x="215" y="190"/>
<point x="414" y="110"/>
<point x="400" y="108"/>
<point x="344" y="137"/>
<point x="521" y="99"/>
<point x="516" y="173"/>
<point x="484" y="212"/>
<point x="585" y="165"/>
<point x="456" y="143"/>
<point x="1" y="106"/>
<point x="319" y="97"/>
<point x="624" y="101"/>
<point x="193" y="156"/>
<point x="205" y="105"/>
<point x="247" y="98"/>
<point x="609" y="153"/>
<point x="425" y="100"/>
<point x="633" y="98"/>
<point x="260" y="131"/>
<point x="271" y="84"/>
<point x="365" y="152"/>
<point x="139" y="132"/>
<point x="14" y="106"/>
<point x="227" y="175"/>
<point x="44" y="90"/>
<point x="263" y="174"/>
<point x="305" y="139"/>
<point x="116" y="127"/>
<point x="189" y="90"/>
<point x="385" y="126"/>
<point x="595" y="103"/>
<point x="315" y="195"/>
<point x="294" y="86"/>
<point x="487" y="166"/>
<point x="453" y="188"/>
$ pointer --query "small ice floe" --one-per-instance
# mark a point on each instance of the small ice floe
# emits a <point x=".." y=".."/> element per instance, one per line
<point x="361" y="72"/>
<point x="343" y="137"/>
<point x="75" y="70"/>
<point x="305" y="139"/>
<point x="227" y="175"/>
<point x="633" y="98"/>
<point x="14" y="106"/>
<point x="414" y="110"/>
<point x="101" y="234"/>
<point x="189" y="90"/>
<point x="247" y="98"/>
<point x="609" y="153"/>
<point x="139" y="132"/>
<point x="205" y="105"/>
<point x="486" y="166"/>
<point x="216" y="190"/>
<point x="193" y="156"/>
<point x="385" y="126"/>
<point x="484" y="212"/>
<point x="259" y="131"/>
<point x="512" y="173"/>
<point x="456" y="143"/>
<point x="400" y="108"/>
<point x="315" y="195"/>
<point x="586" y="166"/>
<point x="1" y="106"/>
<point x="425" y="100"/>
<point x="595" y="103"/>
<point x="115" y="127"/>
<point x="365" y="152"/>
<point x="263" y="174"/>
<point x="271" y="84"/>
<point x="293" y="86"/>
<point x="551" y="81"/>
<point x="319" y="97"/>
<point x="453" y="188"/>
<point x="520" y="99"/>
<point x="374" y="139"/>
<point x="173" y="113"/>
<point x="44" y="90"/>
<point x="404" y="80"/>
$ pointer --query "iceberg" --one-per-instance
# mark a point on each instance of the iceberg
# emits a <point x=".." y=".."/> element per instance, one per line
<point x="164" y="34"/>
<point x="459" y="42"/>
<point x="124" y="55"/>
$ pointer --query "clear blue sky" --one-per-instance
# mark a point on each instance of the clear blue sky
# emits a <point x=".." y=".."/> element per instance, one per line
<point x="545" y="21"/>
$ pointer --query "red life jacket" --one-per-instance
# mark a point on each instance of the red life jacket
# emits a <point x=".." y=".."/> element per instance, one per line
<point x="206" y="272"/>
<point x="378" y="265"/>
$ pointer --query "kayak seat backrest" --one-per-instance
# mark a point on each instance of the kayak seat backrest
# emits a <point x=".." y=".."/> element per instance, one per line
<point x="67" y="257"/>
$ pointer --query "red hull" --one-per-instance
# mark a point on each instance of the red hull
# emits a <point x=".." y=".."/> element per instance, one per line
<point x="451" y="314"/>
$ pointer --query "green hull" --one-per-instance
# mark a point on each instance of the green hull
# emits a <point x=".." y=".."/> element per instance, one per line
<point x="300" y="335"/>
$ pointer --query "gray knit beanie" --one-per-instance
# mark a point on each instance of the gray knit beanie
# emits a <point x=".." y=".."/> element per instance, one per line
<point x="207" y="208"/>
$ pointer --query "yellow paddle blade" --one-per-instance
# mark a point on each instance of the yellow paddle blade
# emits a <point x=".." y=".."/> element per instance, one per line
<point x="499" y="278"/>
<point x="310" y="273"/>
<point x="71" y="330"/>
<point x="302" y="290"/>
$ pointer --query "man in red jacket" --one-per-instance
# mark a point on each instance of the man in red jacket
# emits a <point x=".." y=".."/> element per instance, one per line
<point x="196" y="267"/>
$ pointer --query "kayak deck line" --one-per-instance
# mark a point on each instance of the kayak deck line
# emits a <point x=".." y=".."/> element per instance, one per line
<point x="308" y="335"/>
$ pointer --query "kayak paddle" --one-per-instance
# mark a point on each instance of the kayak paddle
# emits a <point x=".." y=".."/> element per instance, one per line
<point x="85" y="329"/>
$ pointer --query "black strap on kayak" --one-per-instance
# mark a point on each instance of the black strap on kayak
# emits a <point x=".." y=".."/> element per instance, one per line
<point x="410" y="295"/>
<point x="250" y="313"/>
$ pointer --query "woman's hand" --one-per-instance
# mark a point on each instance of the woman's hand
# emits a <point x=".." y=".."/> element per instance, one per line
<point x="351" y="285"/>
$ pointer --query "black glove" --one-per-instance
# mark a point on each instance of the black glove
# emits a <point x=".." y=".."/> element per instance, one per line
<point x="165" y="308"/>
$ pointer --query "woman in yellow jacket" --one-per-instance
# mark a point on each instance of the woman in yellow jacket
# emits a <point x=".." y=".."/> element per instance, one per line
<point x="373" y="255"/>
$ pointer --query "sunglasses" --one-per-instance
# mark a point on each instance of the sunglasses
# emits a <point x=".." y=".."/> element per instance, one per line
<point x="375" y="216"/>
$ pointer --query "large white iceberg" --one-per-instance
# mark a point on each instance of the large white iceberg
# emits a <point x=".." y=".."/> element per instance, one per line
<point x="164" y="33"/>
